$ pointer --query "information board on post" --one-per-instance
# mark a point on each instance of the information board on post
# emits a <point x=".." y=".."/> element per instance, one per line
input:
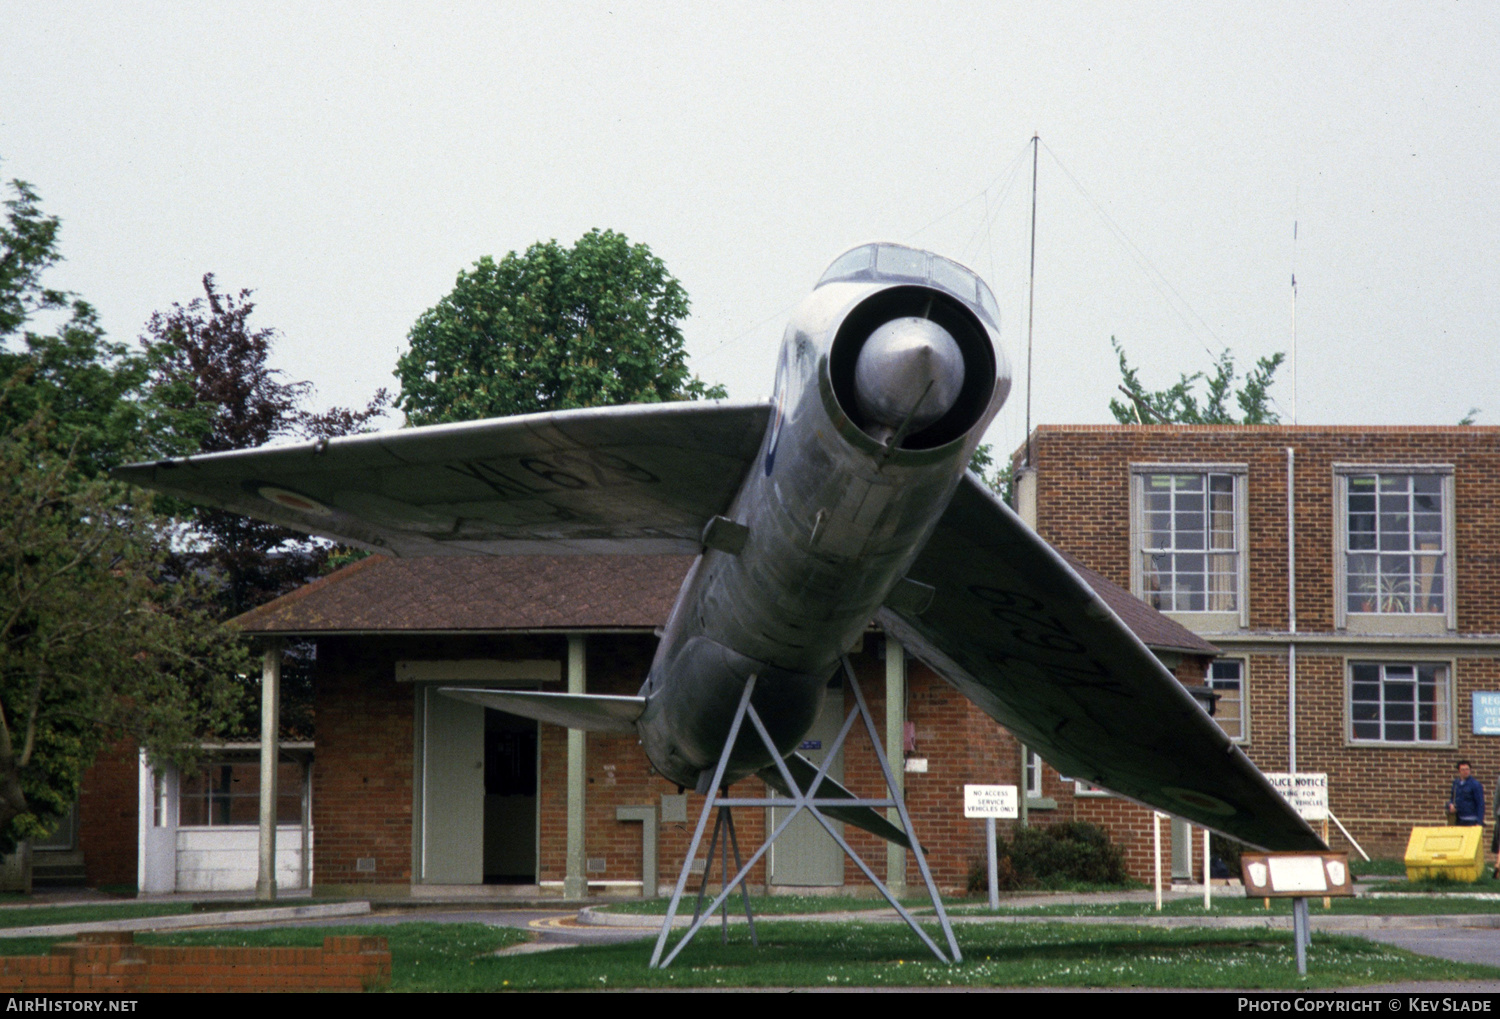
<point x="1306" y="791"/>
<point x="998" y="801"/>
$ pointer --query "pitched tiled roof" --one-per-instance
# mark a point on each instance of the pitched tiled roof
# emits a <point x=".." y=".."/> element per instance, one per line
<point x="1155" y="630"/>
<point x="479" y="593"/>
<point x="489" y="593"/>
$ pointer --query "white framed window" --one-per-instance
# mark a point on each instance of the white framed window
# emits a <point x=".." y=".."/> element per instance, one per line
<point x="1226" y="677"/>
<point x="1403" y="703"/>
<point x="1395" y="548"/>
<point x="1033" y="775"/>
<point x="1188" y="539"/>
<point x="225" y="791"/>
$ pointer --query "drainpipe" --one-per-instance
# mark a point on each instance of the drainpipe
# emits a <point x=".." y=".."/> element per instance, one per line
<point x="1291" y="611"/>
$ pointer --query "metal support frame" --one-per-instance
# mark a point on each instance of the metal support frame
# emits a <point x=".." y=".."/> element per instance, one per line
<point x="800" y="800"/>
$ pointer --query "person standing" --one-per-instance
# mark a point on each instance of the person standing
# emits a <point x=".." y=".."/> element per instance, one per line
<point x="1466" y="801"/>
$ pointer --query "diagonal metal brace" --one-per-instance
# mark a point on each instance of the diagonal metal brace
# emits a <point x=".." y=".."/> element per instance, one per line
<point x="800" y="800"/>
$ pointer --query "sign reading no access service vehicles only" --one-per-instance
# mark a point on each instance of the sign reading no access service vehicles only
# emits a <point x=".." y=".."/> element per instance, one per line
<point x="991" y="801"/>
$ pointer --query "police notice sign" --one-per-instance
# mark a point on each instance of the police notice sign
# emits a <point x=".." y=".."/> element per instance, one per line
<point x="1306" y="791"/>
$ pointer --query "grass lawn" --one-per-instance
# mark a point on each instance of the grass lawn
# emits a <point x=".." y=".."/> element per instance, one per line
<point x="38" y="916"/>
<point x="767" y="905"/>
<point x="1486" y="883"/>
<point x="460" y="957"/>
<point x="1394" y="905"/>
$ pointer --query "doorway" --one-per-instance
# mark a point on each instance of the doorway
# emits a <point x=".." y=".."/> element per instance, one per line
<point x="510" y="798"/>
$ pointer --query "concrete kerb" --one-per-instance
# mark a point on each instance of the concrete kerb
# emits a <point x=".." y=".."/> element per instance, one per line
<point x="235" y="917"/>
<point x="1335" y="923"/>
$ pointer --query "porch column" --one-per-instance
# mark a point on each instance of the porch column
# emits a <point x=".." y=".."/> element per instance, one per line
<point x="270" y="726"/>
<point x="575" y="884"/>
<point x="895" y="753"/>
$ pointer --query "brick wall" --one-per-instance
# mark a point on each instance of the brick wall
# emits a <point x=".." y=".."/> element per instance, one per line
<point x="108" y="806"/>
<point x="1379" y="792"/>
<point x="113" y="964"/>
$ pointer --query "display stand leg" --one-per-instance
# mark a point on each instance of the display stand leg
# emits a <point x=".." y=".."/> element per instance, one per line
<point x="800" y="800"/>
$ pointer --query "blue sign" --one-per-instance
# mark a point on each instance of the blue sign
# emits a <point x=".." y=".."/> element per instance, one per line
<point x="1486" y="714"/>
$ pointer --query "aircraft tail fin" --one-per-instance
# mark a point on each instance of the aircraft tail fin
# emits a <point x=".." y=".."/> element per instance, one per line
<point x="867" y="818"/>
<point x="594" y="712"/>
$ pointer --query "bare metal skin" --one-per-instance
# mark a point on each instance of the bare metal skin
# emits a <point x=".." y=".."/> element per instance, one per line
<point x="836" y="512"/>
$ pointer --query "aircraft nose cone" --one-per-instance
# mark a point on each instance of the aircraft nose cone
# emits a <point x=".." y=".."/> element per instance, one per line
<point x="909" y="367"/>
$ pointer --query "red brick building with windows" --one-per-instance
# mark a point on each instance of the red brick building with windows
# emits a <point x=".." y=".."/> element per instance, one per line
<point x="413" y="791"/>
<point x="1349" y="576"/>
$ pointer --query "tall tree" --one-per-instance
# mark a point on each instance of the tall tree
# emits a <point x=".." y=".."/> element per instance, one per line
<point x="207" y="363"/>
<point x="1179" y="404"/>
<point x="96" y="642"/>
<point x="94" y="645"/>
<point x="91" y="389"/>
<point x="554" y="328"/>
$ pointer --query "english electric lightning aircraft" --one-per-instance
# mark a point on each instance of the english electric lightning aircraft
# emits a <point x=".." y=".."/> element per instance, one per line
<point x="845" y="499"/>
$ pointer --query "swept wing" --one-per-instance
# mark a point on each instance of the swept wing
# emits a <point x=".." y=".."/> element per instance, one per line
<point x="642" y="479"/>
<point x="1019" y="633"/>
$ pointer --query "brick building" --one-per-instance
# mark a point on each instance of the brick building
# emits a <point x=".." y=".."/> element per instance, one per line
<point x="1350" y="577"/>
<point x="412" y="791"/>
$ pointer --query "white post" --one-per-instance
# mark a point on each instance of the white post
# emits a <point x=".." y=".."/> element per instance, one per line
<point x="270" y="726"/>
<point x="1207" y="888"/>
<point x="575" y="880"/>
<point x="1156" y="842"/>
<point x="895" y="752"/>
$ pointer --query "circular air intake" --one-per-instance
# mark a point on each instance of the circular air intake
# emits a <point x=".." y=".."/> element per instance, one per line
<point x="914" y="361"/>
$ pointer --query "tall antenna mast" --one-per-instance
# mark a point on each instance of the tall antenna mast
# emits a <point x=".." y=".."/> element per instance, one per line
<point x="1294" y="321"/>
<point x="1031" y="302"/>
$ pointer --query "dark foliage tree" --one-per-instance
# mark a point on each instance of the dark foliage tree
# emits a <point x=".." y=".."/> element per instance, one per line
<point x="1179" y="404"/>
<point x="554" y="328"/>
<point x="207" y="363"/>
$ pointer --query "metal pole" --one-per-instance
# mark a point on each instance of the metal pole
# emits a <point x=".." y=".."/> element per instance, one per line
<point x="1156" y="844"/>
<point x="1300" y="933"/>
<point x="1291" y="613"/>
<point x="1030" y="314"/>
<point x="270" y="726"/>
<point x="575" y="881"/>
<point x="989" y="842"/>
<point x="895" y="750"/>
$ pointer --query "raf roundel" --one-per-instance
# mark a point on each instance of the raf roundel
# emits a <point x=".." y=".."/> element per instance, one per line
<point x="296" y="501"/>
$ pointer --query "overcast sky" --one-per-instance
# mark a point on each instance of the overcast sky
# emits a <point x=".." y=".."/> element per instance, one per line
<point x="346" y="161"/>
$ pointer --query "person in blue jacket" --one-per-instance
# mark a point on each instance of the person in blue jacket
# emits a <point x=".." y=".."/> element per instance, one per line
<point x="1467" y="799"/>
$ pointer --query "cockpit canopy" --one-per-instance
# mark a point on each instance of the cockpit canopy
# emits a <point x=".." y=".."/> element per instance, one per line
<point x="886" y="262"/>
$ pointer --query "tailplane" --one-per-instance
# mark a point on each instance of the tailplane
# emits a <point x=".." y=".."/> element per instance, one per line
<point x="593" y="712"/>
<point x="868" y="818"/>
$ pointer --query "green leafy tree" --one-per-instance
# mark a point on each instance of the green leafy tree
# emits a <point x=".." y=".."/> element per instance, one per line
<point x="554" y="328"/>
<point x="91" y="389"/>
<point x="999" y="479"/>
<point x="97" y="642"/>
<point x="1180" y="404"/>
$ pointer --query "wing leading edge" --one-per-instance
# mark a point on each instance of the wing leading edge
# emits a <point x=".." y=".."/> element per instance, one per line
<point x="641" y="479"/>
<point x="1017" y="631"/>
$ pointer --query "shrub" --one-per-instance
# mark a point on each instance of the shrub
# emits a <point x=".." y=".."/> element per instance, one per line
<point x="1072" y="852"/>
